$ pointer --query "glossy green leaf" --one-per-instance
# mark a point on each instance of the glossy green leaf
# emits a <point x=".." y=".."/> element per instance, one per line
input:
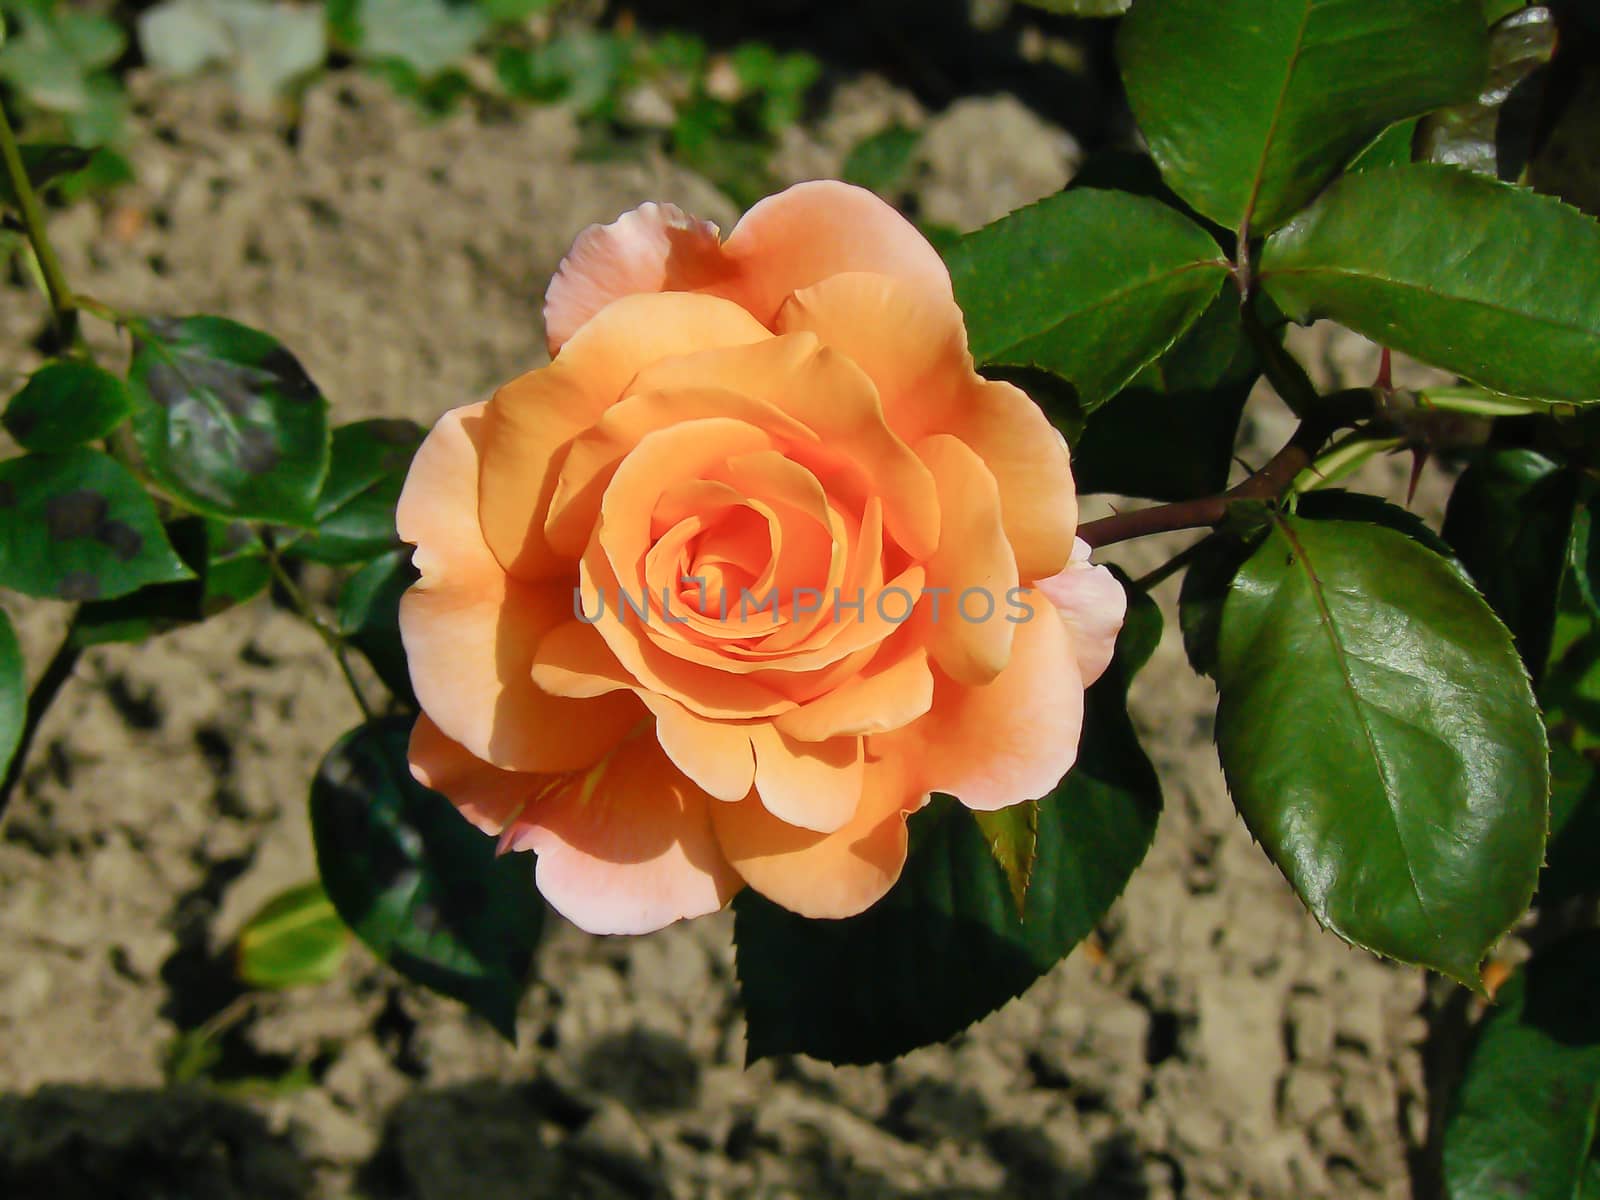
<point x="1204" y="592"/>
<point x="1495" y="132"/>
<point x="355" y="513"/>
<point x="229" y="565"/>
<point x="945" y="947"/>
<point x="1251" y="109"/>
<point x="228" y="419"/>
<point x="1211" y="573"/>
<point x="44" y="162"/>
<point x="1381" y="740"/>
<point x="1391" y="148"/>
<point x="13" y="693"/>
<point x="1013" y="838"/>
<point x="1089" y="285"/>
<point x="1336" y="504"/>
<point x="1510" y="522"/>
<point x="296" y="938"/>
<point x="369" y="617"/>
<point x="65" y="404"/>
<point x="1523" y="1122"/>
<point x="77" y="526"/>
<point x="419" y="885"/>
<point x="1460" y="271"/>
<point x="1194" y="394"/>
<point x="882" y="161"/>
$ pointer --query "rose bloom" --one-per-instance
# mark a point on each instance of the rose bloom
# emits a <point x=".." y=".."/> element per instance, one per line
<point x="792" y="412"/>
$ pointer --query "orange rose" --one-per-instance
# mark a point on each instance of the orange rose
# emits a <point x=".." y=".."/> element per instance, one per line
<point x="756" y="564"/>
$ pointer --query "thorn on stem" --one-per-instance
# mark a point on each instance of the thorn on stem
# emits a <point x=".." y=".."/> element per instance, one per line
<point x="1419" y="459"/>
<point x="1385" y="380"/>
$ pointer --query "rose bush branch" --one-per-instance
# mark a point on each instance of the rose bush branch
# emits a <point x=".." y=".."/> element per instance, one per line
<point x="304" y="610"/>
<point x="56" y="673"/>
<point x="64" y="309"/>
<point x="1331" y="414"/>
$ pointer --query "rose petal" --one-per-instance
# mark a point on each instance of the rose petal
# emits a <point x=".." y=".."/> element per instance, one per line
<point x="470" y="632"/>
<point x="703" y="690"/>
<point x="1093" y="604"/>
<point x="654" y="248"/>
<point x="815" y="785"/>
<point x="892" y="692"/>
<point x="593" y="457"/>
<point x="625" y="847"/>
<point x="813" y="230"/>
<point x="574" y="660"/>
<point x="835" y="874"/>
<point x="530" y="420"/>
<point x="1014" y="738"/>
<point x="629" y="848"/>
<point x="913" y="346"/>
<point x="486" y="795"/>
<point x="836" y="399"/>
<point x="968" y="634"/>
<point x="715" y="754"/>
<point x="687" y="450"/>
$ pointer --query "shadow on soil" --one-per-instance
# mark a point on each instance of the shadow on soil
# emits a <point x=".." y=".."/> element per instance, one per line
<point x="66" y="1142"/>
<point x="496" y="1140"/>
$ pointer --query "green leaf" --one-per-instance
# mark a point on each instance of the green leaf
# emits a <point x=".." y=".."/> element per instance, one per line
<point x="514" y="11"/>
<point x="230" y="567"/>
<point x="1391" y="148"/>
<point x="1336" y="504"/>
<point x="266" y="46"/>
<point x="1090" y="285"/>
<point x="355" y="513"/>
<point x="426" y="35"/>
<point x="77" y="526"/>
<point x="1460" y="271"/>
<point x="296" y="938"/>
<point x="13" y="693"/>
<point x="1510" y="521"/>
<point x="1013" y="838"/>
<point x="419" y="885"/>
<point x="1495" y="10"/>
<point x="1495" y="132"/>
<point x="1194" y="394"/>
<point x="65" y="404"/>
<point x="1251" y="109"/>
<point x="583" y="67"/>
<point x="1523" y="1122"/>
<point x="1206" y="583"/>
<point x="369" y="617"/>
<point x="44" y="163"/>
<point x="1381" y="741"/>
<point x="228" y="420"/>
<point x="53" y="60"/>
<point x="882" y="160"/>
<point x="946" y="947"/>
<point x="1204" y="592"/>
<point x="1083" y="8"/>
